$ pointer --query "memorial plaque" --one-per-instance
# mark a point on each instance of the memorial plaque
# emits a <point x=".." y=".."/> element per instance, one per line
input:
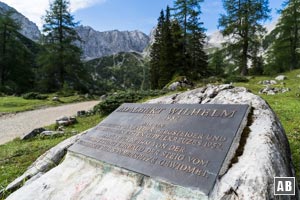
<point x="184" y="144"/>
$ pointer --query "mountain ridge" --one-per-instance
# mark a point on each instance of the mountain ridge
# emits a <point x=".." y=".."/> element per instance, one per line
<point x="28" y="28"/>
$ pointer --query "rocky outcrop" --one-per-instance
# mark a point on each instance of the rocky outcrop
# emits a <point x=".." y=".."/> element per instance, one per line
<point x="28" y="28"/>
<point x="281" y="78"/>
<point x="263" y="154"/>
<point x="97" y="44"/>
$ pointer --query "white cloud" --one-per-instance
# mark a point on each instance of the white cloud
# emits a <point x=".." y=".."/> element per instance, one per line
<point x="35" y="9"/>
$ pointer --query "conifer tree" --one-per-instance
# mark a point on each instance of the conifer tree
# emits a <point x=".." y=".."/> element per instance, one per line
<point x="242" y="22"/>
<point x="61" y="60"/>
<point x="188" y="12"/>
<point x="166" y="70"/>
<point x="284" y="54"/>
<point x="155" y="52"/>
<point x="16" y="74"/>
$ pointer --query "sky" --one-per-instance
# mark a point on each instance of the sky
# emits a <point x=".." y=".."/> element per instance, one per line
<point x="104" y="15"/>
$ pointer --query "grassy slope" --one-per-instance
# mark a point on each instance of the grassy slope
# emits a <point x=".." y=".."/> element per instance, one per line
<point x="16" y="156"/>
<point x="287" y="108"/>
<point x="11" y="104"/>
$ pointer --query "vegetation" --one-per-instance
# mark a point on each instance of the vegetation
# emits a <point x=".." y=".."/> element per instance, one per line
<point x="60" y="60"/>
<point x="243" y="24"/>
<point x="16" y="156"/>
<point x="118" y="72"/>
<point x="178" y="49"/>
<point x="16" y="73"/>
<point x="12" y="104"/>
<point x="113" y="101"/>
<point x="286" y="107"/>
<point x="283" y="55"/>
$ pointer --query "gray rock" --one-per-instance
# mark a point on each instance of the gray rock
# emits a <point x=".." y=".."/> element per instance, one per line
<point x="281" y="78"/>
<point x="265" y="155"/>
<point x="33" y="133"/>
<point x="103" y="97"/>
<point x="174" y="86"/>
<point x="51" y="133"/>
<point x="267" y="82"/>
<point x="28" y="28"/>
<point x="81" y="113"/>
<point x="184" y="83"/>
<point x="65" y="121"/>
<point x="55" y="99"/>
<point x="273" y="90"/>
<point x="97" y="44"/>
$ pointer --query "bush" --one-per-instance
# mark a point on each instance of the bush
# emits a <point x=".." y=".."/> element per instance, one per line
<point x="113" y="101"/>
<point x="234" y="79"/>
<point x="34" y="95"/>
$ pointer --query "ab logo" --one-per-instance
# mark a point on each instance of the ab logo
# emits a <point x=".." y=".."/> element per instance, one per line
<point x="284" y="186"/>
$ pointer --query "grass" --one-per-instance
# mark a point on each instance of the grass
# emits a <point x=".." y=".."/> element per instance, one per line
<point x="16" y="156"/>
<point x="12" y="104"/>
<point x="286" y="107"/>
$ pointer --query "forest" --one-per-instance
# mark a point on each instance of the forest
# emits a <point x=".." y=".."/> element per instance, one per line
<point x="179" y="51"/>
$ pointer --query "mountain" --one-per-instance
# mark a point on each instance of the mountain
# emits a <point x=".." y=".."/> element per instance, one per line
<point x="28" y="28"/>
<point x="216" y="39"/>
<point x="125" y="70"/>
<point x="97" y="44"/>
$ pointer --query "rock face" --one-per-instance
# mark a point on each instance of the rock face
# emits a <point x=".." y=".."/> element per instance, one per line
<point x="97" y="44"/>
<point x="28" y="28"/>
<point x="264" y="153"/>
<point x="281" y="78"/>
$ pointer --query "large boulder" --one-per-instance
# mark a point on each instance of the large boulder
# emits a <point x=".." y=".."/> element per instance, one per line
<point x="263" y="154"/>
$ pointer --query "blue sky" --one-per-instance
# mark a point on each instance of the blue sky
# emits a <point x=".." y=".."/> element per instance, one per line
<point x="103" y="15"/>
<point x="142" y="15"/>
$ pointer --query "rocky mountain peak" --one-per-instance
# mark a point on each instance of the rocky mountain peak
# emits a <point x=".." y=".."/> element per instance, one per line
<point x="98" y="44"/>
<point x="28" y="28"/>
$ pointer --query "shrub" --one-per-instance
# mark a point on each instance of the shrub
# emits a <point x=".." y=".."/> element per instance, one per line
<point x="113" y="101"/>
<point x="234" y="79"/>
<point x="34" y="95"/>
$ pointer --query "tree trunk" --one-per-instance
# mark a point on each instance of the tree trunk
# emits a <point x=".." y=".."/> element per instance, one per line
<point x="244" y="60"/>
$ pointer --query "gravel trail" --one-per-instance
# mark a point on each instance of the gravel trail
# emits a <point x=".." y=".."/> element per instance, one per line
<point x="15" y="125"/>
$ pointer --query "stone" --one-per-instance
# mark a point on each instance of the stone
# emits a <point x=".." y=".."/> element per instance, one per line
<point x="103" y="97"/>
<point x="66" y="121"/>
<point x="273" y="90"/>
<point x="81" y="113"/>
<point x="268" y="82"/>
<point x="281" y="78"/>
<point x="51" y="133"/>
<point x="33" y="133"/>
<point x="298" y="76"/>
<point x="263" y="154"/>
<point x="184" y="83"/>
<point x="56" y="99"/>
<point x="155" y="140"/>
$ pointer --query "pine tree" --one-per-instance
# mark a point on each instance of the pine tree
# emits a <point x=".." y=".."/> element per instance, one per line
<point x="61" y="61"/>
<point x="179" y="59"/>
<point x="284" y="52"/>
<point x="241" y="23"/>
<point x="155" y="52"/>
<point x="188" y="12"/>
<point x="196" y="43"/>
<point x="217" y="62"/>
<point x="166" y="68"/>
<point x="16" y="74"/>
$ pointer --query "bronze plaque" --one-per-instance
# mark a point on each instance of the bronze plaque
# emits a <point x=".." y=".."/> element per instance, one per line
<point x="184" y="144"/>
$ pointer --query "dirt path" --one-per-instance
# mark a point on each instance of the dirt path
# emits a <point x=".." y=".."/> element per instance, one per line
<point x="15" y="125"/>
